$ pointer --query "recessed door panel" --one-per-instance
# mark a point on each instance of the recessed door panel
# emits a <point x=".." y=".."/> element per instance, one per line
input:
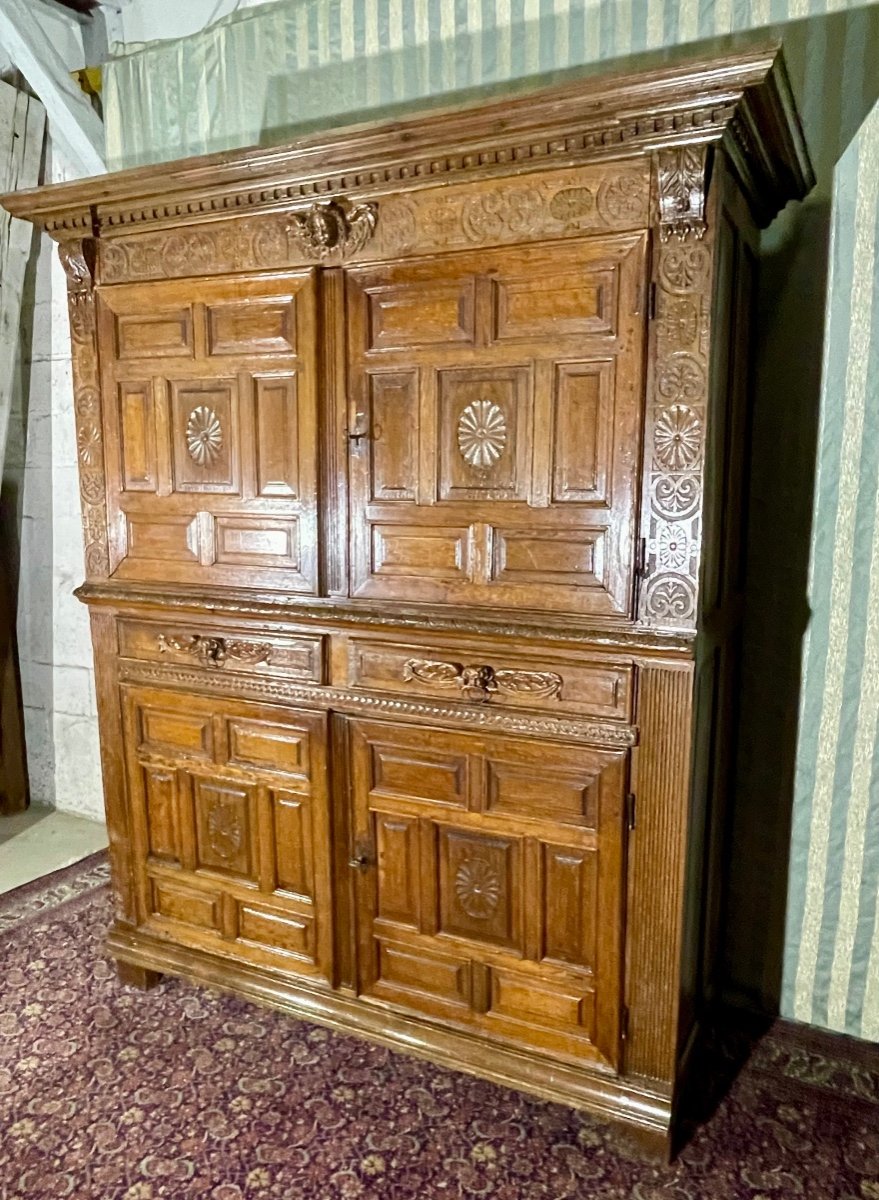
<point x="495" y="410"/>
<point x="503" y="911"/>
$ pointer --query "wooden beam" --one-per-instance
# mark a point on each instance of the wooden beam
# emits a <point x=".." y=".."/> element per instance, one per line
<point x="72" y="120"/>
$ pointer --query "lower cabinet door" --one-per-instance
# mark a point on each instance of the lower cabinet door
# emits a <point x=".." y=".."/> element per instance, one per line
<point x="490" y="883"/>
<point x="230" y="824"/>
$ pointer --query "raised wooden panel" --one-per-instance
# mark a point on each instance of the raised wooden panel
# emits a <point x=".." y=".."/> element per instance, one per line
<point x="158" y="334"/>
<point x="163" y="818"/>
<point x="258" y="542"/>
<point x="435" y="982"/>
<point x="479" y="887"/>
<point x="224" y="826"/>
<point x="290" y="934"/>
<point x="556" y="1015"/>
<point x="484" y="447"/>
<point x="204" y="437"/>
<point x="252" y="327"/>
<point x="570" y="899"/>
<point x="572" y="557"/>
<point x="582" y="434"/>
<point x="434" y="770"/>
<point x="276" y="435"/>
<point x="137" y="437"/>
<point x="434" y="552"/>
<point x="423" y="312"/>
<point x="396" y="843"/>
<point x="175" y="731"/>
<point x="554" y="300"/>
<point x="543" y="788"/>
<point x="293" y="841"/>
<point x="280" y="749"/>
<point x="162" y="539"/>
<point x="393" y="440"/>
<point x="186" y="905"/>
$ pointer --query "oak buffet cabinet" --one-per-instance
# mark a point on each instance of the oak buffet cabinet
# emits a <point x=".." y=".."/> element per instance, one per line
<point x="412" y="473"/>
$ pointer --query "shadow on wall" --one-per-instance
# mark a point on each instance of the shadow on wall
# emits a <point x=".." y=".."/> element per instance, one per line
<point x="834" y="65"/>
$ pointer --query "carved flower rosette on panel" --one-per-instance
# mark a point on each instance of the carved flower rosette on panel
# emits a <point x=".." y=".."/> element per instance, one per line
<point x="482" y="434"/>
<point x="204" y="436"/>
<point x="478" y="888"/>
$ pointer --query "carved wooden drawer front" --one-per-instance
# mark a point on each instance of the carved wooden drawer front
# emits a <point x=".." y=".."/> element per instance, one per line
<point x="489" y="882"/>
<point x="476" y="674"/>
<point x="230" y="824"/>
<point x="238" y="649"/>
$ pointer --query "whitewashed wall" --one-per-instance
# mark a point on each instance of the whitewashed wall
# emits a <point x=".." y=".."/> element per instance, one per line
<point x="54" y="645"/>
<point x="41" y="510"/>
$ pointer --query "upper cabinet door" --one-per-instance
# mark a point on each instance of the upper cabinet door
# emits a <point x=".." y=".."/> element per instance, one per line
<point x="211" y="417"/>
<point x="498" y="395"/>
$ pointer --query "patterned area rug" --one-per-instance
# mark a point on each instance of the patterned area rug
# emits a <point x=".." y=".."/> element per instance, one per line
<point x="109" y="1093"/>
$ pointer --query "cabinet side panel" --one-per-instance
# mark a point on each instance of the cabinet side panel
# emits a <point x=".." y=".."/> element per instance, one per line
<point x="105" y="645"/>
<point x="657" y="853"/>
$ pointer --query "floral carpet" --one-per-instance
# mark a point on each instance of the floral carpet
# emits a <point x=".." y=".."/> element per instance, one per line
<point x="107" y="1093"/>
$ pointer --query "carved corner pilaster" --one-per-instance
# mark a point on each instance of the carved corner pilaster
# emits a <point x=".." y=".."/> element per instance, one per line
<point x="677" y="409"/>
<point x="682" y="190"/>
<point x="78" y="259"/>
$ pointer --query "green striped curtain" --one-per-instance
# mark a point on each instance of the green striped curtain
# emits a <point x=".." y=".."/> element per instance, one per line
<point x="832" y="954"/>
<point x="263" y="73"/>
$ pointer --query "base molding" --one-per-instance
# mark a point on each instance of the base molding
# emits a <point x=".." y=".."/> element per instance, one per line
<point x="645" y="1111"/>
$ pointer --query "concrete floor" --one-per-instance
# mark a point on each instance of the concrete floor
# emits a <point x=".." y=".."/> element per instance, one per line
<point x="38" y="841"/>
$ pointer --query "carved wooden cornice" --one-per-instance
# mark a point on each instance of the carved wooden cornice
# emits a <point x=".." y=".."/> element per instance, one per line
<point x="743" y="101"/>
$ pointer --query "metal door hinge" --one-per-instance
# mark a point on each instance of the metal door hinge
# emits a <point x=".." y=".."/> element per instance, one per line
<point x="624" y="1023"/>
<point x="651" y="302"/>
<point x="630" y="811"/>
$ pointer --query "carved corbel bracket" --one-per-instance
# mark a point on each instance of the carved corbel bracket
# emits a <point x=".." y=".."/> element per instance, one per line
<point x="682" y="188"/>
<point x="329" y="228"/>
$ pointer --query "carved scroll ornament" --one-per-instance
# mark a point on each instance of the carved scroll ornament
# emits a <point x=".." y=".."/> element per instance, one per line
<point x="327" y="228"/>
<point x="480" y="683"/>
<point x="216" y="651"/>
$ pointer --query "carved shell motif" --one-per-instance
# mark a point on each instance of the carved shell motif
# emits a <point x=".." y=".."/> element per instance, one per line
<point x="204" y="436"/>
<point x="482" y="433"/>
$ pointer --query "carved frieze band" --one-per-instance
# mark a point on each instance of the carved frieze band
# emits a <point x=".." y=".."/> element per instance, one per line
<point x="677" y="404"/>
<point x="78" y="260"/>
<point x="553" y="204"/>
<point x="276" y="690"/>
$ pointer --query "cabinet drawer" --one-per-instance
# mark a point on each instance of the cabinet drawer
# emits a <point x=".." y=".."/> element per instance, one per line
<point x="297" y="656"/>
<point x="480" y="674"/>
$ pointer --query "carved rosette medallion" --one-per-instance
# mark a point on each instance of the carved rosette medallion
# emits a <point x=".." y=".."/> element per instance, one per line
<point x="224" y="831"/>
<point x="478" y="888"/>
<point x="482" y="434"/>
<point x="677" y="409"/>
<point x="78" y="260"/>
<point x="204" y="436"/>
